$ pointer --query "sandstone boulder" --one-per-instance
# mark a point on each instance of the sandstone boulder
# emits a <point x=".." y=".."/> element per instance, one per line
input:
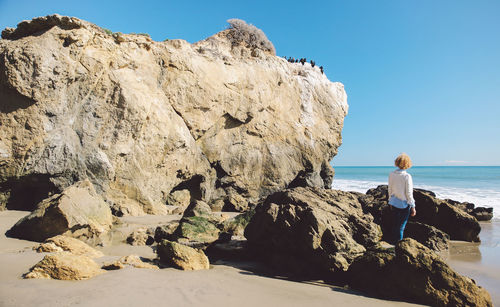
<point x="198" y="229"/>
<point x="130" y="260"/>
<point x="182" y="257"/>
<point x="77" y="212"/>
<point x="63" y="243"/>
<point x="442" y="214"/>
<point x="141" y="236"/>
<point x="317" y="231"/>
<point x="414" y="273"/>
<point x="144" y="120"/>
<point x="65" y="266"/>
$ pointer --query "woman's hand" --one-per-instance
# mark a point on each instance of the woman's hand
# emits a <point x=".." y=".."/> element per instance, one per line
<point x="413" y="211"/>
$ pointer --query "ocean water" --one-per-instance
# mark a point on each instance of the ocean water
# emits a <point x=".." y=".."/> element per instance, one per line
<point x="479" y="185"/>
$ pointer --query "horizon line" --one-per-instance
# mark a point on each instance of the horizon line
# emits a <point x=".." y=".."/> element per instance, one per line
<point x="417" y="166"/>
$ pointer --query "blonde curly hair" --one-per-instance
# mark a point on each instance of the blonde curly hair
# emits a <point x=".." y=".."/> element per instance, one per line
<point x="403" y="161"/>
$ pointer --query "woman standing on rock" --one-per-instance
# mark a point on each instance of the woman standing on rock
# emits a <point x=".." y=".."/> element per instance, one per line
<point x="401" y="195"/>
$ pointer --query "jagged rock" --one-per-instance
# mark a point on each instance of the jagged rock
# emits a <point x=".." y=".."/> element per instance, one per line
<point x="483" y="213"/>
<point x="130" y="260"/>
<point x="182" y="257"/>
<point x="429" y="236"/>
<point x="198" y="208"/>
<point x="198" y="229"/>
<point x="72" y="108"/>
<point x="414" y="273"/>
<point x="236" y="225"/>
<point x="65" y="266"/>
<point x="180" y="198"/>
<point x="326" y="229"/>
<point x="142" y="236"/>
<point x="67" y="244"/>
<point x="235" y="249"/>
<point x="198" y="225"/>
<point x="480" y="213"/>
<point x="439" y="213"/>
<point x="165" y="231"/>
<point x="77" y="212"/>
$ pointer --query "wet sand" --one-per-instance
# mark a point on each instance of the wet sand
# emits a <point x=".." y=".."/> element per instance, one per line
<point x="480" y="261"/>
<point x="223" y="285"/>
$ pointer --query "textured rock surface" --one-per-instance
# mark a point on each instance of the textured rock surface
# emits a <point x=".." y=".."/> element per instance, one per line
<point x="130" y="260"/>
<point x="78" y="212"/>
<point x="442" y="214"/>
<point x="65" y="266"/>
<point x="417" y="274"/>
<point x="429" y="236"/>
<point x="141" y="236"/>
<point x="236" y="225"/>
<point x="144" y="119"/>
<point x="67" y="244"/>
<point x="198" y="229"/>
<point x="182" y="257"/>
<point x="314" y="230"/>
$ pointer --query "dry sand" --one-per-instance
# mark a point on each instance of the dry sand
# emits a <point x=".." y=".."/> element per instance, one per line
<point x="223" y="285"/>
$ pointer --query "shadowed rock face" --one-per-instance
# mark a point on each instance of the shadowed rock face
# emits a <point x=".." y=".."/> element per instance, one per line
<point x="142" y="119"/>
<point x="442" y="214"/>
<point x="311" y="231"/>
<point x="416" y="274"/>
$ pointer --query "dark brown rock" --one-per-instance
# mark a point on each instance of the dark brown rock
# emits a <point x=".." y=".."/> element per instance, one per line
<point x="416" y="274"/>
<point x="324" y="229"/>
<point x="429" y="236"/>
<point x="457" y="223"/>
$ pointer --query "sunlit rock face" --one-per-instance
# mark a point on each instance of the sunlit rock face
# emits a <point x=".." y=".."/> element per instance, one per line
<point x="227" y="122"/>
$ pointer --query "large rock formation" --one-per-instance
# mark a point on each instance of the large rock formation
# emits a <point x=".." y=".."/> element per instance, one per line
<point x="311" y="231"/>
<point x="445" y="215"/>
<point x="417" y="274"/>
<point x="222" y="119"/>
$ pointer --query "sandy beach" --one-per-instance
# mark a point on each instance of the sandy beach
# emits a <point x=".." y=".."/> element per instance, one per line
<point x="225" y="284"/>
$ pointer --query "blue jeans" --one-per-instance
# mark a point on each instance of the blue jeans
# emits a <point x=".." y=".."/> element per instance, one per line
<point x="400" y="219"/>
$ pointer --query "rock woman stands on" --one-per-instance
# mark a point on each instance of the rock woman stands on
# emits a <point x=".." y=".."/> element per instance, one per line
<point x="401" y="196"/>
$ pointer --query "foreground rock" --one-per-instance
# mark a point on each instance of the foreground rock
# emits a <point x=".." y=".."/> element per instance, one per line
<point x="65" y="266"/>
<point x="442" y="214"/>
<point x="130" y="260"/>
<point x="182" y="257"/>
<point x="311" y="231"/>
<point x="429" y="236"/>
<point x="414" y="273"/>
<point x="72" y="108"/>
<point x="78" y="212"/>
<point x="67" y="244"/>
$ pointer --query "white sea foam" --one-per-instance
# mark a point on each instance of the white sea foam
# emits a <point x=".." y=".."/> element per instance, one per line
<point x="479" y="197"/>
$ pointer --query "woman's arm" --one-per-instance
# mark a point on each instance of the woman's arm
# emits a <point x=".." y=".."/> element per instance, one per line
<point x="409" y="191"/>
<point x="389" y="189"/>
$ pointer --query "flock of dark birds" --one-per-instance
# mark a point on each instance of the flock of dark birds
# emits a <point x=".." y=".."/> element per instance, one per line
<point x="302" y="61"/>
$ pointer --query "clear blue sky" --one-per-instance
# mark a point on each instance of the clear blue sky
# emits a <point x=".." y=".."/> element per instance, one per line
<point x="422" y="76"/>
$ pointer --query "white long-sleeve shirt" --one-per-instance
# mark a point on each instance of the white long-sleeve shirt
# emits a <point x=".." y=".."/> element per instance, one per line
<point x="401" y="187"/>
